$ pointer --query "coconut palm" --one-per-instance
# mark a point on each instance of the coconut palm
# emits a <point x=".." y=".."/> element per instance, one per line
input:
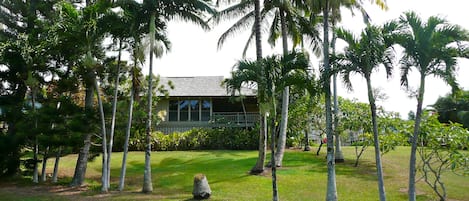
<point x="163" y="11"/>
<point x="432" y="48"/>
<point x="288" y="21"/>
<point x="362" y="56"/>
<point x="270" y="75"/>
<point x="243" y="8"/>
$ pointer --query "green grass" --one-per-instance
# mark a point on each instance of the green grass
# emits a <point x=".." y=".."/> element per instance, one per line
<point x="303" y="177"/>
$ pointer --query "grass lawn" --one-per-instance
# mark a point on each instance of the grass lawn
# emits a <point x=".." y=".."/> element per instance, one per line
<point x="303" y="177"/>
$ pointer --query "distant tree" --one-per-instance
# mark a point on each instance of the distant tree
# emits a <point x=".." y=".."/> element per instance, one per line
<point x="453" y="108"/>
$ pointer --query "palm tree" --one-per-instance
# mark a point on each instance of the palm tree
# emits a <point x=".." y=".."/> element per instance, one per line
<point x="288" y="21"/>
<point x="162" y="11"/>
<point x="132" y="12"/>
<point x="270" y="75"/>
<point x="243" y="7"/>
<point x="325" y="7"/>
<point x="362" y="56"/>
<point x="432" y="48"/>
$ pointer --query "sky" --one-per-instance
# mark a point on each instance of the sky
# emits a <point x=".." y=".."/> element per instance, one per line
<point x="194" y="53"/>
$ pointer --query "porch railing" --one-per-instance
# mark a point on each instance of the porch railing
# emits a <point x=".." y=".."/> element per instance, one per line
<point x="235" y="117"/>
<point x="218" y="119"/>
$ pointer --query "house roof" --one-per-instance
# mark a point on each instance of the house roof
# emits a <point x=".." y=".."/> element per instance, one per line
<point x="200" y="86"/>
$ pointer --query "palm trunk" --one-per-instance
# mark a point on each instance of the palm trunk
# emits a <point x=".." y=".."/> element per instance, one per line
<point x="147" y="183"/>
<point x="259" y="167"/>
<point x="379" y="168"/>
<point x="331" y="181"/>
<point x="282" y="140"/>
<point x="339" y="156"/>
<point x="113" y="118"/>
<point x="44" y="164"/>
<point x="82" y="160"/>
<point x="104" y="176"/>
<point x="414" y="140"/>
<point x="257" y="28"/>
<point x="126" y="143"/>
<point x="56" y="165"/>
<point x="272" y="150"/>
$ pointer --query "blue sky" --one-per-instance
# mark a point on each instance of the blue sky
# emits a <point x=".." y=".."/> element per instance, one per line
<point x="194" y="52"/>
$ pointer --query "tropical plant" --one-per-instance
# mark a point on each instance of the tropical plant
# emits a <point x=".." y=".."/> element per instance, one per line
<point x="431" y="47"/>
<point x="161" y="12"/>
<point x="270" y="75"/>
<point x="440" y="152"/>
<point x="362" y="56"/>
<point x="243" y="8"/>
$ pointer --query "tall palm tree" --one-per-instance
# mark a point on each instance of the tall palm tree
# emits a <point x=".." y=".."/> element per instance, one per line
<point x="80" y="25"/>
<point x="325" y="6"/>
<point x="135" y="31"/>
<point x="363" y="56"/>
<point x="269" y="77"/>
<point x="243" y="8"/>
<point x="432" y="48"/>
<point x="288" y="22"/>
<point x="163" y="11"/>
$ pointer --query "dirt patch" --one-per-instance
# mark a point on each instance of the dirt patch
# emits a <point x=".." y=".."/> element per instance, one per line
<point x="65" y="192"/>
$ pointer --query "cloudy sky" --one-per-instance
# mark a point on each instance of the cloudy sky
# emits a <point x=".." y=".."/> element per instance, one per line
<point x="194" y="52"/>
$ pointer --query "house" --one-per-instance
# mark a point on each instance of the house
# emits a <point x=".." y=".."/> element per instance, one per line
<point x="204" y="102"/>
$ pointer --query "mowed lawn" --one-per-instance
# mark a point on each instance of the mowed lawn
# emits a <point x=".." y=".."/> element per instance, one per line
<point x="303" y="177"/>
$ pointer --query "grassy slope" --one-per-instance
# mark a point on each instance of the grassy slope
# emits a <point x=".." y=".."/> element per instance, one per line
<point x="303" y="177"/>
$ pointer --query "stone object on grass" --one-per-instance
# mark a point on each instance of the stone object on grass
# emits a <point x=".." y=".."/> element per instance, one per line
<point x="201" y="187"/>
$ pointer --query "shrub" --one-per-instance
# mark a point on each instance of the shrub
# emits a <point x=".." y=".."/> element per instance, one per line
<point x="207" y="139"/>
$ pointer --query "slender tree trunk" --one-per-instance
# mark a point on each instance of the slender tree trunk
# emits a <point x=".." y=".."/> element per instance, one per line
<point x="259" y="167"/>
<point x="379" y="168"/>
<point x="36" y="161"/>
<point x="36" y="143"/>
<point x="126" y="143"/>
<point x="257" y="28"/>
<point x="339" y="156"/>
<point x="147" y="183"/>
<point x="331" y="181"/>
<point x="285" y="99"/>
<point x="56" y="165"/>
<point x="44" y="164"/>
<point x="82" y="160"/>
<point x="272" y="152"/>
<point x="415" y="139"/>
<point x="113" y="118"/>
<point x="104" y="176"/>
<point x="307" y="148"/>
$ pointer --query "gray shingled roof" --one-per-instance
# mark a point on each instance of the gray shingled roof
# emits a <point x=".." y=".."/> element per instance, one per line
<point x="200" y="86"/>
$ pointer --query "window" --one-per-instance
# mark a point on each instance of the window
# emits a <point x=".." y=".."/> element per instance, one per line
<point x="205" y="110"/>
<point x="195" y="110"/>
<point x="173" y="110"/>
<point x="184" y="110"/>
<point x="189" y="110"/>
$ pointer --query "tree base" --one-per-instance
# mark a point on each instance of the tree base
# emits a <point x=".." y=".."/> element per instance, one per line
<point x="339" y="160"/>
<point x="307" y="148"/>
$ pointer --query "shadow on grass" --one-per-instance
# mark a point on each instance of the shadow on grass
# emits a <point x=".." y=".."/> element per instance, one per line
<point x="173" y="176"/>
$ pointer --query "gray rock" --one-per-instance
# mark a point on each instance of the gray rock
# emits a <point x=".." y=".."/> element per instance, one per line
<point x="201" y="187"/>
